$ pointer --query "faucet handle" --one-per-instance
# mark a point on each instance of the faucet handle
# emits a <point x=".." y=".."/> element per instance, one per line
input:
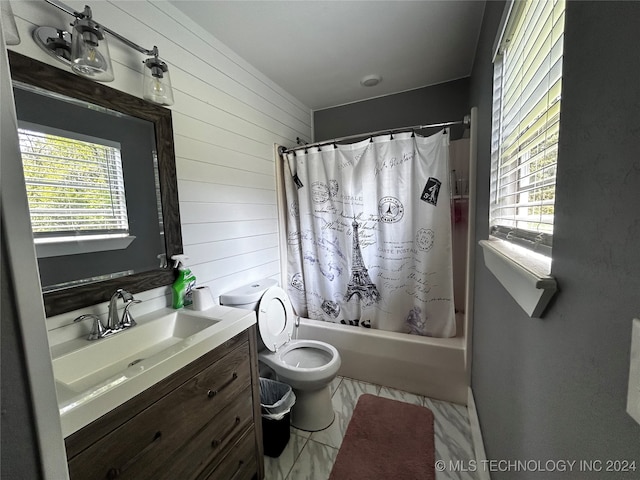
<point x="98" y="330"/>
<point x="127" y="319"/>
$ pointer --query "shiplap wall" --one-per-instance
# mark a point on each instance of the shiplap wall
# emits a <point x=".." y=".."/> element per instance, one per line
<point x="226" y="118"/>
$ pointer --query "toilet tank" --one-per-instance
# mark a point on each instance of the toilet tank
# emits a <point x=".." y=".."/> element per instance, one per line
<point x="248" y="296"/>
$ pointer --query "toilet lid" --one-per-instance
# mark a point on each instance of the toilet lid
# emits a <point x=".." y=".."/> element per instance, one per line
<point x="275" y="318"/>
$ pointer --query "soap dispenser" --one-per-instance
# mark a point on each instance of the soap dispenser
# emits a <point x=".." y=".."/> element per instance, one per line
<point x="184" y="283"/>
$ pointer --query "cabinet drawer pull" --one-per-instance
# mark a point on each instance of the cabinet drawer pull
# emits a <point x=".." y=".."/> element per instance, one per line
<point x="114" y="473"/>
<point x="213" y="393"/>
<point x="215" y="443"/>
<point x="240" y="465"/>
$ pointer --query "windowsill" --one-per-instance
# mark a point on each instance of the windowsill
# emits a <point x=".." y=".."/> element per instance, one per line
<point x="524" y="274"/>
<point x="78" y="245"/>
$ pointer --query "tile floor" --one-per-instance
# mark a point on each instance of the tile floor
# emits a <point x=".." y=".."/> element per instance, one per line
<point x="310" y="456"/>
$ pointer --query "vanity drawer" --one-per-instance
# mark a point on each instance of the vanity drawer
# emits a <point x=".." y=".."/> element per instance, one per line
<point x="212" y="442"/>
<point x="239" y="464"/>
<point x="160" y="431"/>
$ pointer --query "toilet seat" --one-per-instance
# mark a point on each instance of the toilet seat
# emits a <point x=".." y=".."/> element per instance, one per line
<point x="275" y="318"/>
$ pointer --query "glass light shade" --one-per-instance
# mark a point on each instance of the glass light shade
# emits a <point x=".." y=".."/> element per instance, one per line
<point x="157" y="82"/>
<point x="90" y="51"/>
<point x="55" y="42"/>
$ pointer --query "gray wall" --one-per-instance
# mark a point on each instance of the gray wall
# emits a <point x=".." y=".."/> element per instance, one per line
<point x="18" y="439"/>
<point x="438" y="103"/>
<point x="556" y="388"/>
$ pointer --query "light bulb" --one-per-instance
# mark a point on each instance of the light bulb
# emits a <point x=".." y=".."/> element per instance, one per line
<point x="155" y="91"/>
<point x="90" y="63"/>
<point x="92" y="55"/>
<point x="157" y="87"/>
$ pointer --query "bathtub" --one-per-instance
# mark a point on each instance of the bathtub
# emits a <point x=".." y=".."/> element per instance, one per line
<point x="434" y="367"/>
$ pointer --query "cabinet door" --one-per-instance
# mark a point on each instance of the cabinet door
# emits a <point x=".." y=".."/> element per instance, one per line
<point x="138" y="447"/>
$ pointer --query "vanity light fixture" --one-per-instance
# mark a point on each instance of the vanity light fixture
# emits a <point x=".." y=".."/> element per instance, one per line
<point x="157" y="83"/>
<point x="86" y="51"/>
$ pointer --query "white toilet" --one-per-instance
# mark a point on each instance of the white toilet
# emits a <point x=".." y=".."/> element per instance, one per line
<point x="308" y="366"/>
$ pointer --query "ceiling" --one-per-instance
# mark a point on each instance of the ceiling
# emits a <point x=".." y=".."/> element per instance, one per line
<point x="318" y="51"/>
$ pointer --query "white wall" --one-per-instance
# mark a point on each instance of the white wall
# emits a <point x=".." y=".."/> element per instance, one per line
<point x="226" y="118"/>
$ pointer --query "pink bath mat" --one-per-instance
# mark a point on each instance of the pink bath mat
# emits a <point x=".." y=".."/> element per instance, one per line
<point x="387" y="440"/>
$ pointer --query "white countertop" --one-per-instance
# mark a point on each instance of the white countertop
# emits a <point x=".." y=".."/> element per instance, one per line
<point x="79" y="408"/>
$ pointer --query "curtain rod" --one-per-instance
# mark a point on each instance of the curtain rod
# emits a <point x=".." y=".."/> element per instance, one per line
<point x="466" y="122"/>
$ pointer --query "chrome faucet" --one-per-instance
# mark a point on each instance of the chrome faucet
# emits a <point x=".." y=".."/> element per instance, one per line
<point x="98" y="330"/>
<point x="113" y="322"/>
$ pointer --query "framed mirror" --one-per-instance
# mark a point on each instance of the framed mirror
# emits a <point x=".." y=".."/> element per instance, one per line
<point x="141" y="135"/>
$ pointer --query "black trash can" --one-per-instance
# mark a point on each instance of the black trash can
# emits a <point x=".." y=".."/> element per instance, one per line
<point x="276" y="400"/>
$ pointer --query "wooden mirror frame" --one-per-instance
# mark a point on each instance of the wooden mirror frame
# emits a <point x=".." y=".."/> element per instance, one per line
<point x="33" y="72"/>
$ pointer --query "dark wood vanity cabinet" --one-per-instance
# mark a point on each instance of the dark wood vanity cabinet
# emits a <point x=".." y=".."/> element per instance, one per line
<point x="202" y="422"/>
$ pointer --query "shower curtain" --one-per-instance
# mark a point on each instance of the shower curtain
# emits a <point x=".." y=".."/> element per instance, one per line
<point x="369" y="234"/>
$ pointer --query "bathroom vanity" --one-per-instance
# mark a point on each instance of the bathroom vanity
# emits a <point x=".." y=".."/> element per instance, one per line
<point x="202" y="421"/>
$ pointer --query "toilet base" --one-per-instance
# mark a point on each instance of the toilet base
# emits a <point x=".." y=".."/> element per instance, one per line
<point x="313" y="410"/>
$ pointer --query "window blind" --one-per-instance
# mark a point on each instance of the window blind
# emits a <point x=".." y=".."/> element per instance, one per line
<point x="525" y="126"/>
<point x="74" y="187"/>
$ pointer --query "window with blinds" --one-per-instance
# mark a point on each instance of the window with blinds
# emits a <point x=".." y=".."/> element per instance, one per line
<point x="526" y="114"/>
<point x="74" y="186"/>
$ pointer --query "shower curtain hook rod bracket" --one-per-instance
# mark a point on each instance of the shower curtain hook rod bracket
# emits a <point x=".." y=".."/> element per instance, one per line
<point x="466" y="122"/>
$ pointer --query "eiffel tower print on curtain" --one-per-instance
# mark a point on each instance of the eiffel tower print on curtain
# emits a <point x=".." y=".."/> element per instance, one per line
<point x="360" y="284"/>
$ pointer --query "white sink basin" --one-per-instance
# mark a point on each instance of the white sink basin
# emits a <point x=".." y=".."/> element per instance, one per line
<point x="99" y="360"/>
<point x="94" y="377"/>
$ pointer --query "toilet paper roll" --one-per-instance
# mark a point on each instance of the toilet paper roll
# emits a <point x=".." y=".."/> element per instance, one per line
<point x="202" y="298"/>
